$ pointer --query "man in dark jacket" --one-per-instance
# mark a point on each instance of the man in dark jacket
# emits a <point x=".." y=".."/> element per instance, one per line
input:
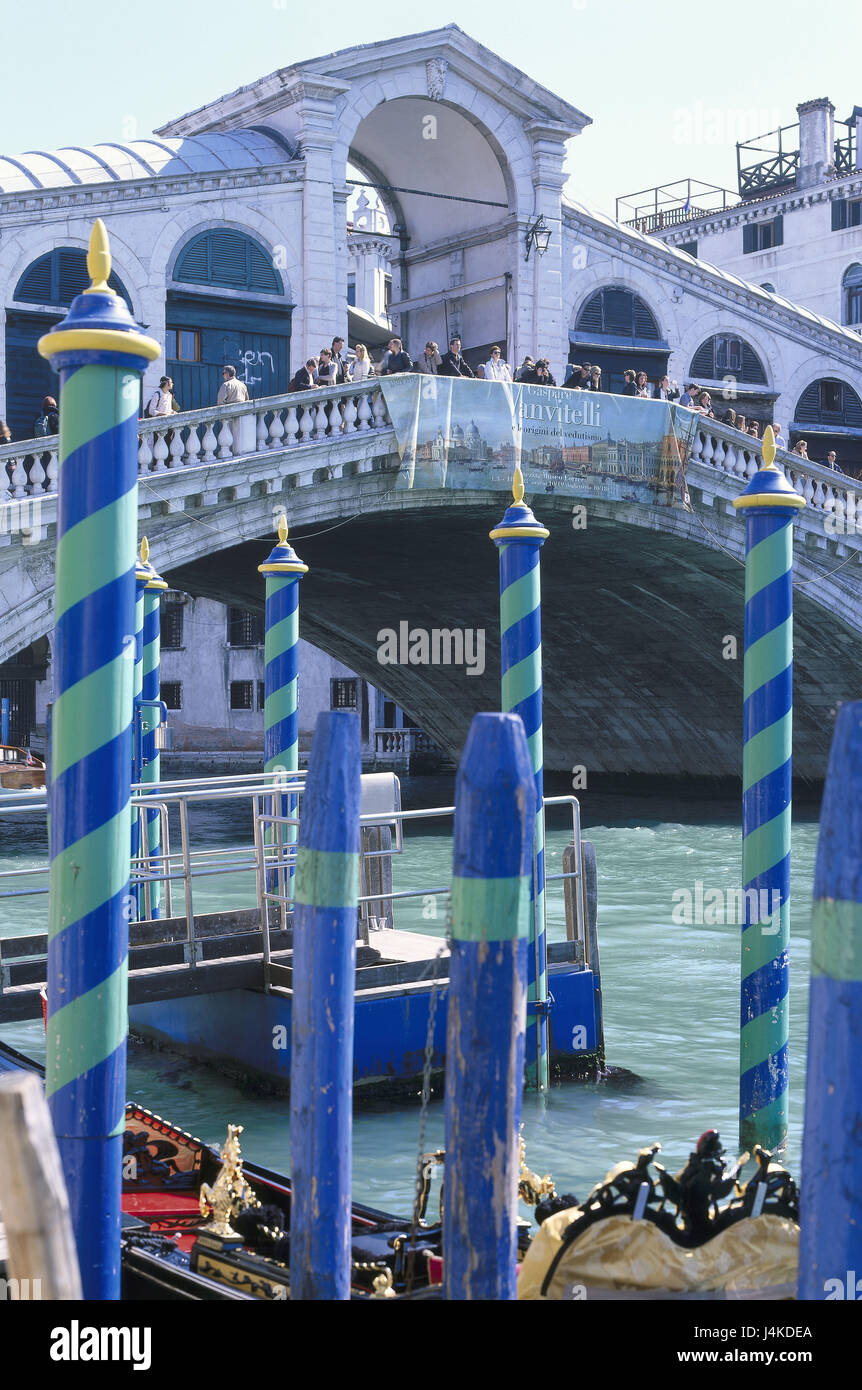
<point x="303" y="380"/>
<point x="541" y="374"/>
<point x="49" y="421"/>
<point x="341" y="374"/>
<point x="453" y="362"/>
<point x="396" y="359"/>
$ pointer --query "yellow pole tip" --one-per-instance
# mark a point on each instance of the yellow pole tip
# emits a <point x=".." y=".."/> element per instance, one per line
<point x="282" y="529"/>
<point x="145" y="550"/>
<point x="518" y="484"/>
<point x="99" y="259"/>
<point x="768" y="447"/>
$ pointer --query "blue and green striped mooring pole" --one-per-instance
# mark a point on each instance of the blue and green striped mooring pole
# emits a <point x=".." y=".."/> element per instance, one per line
<point x="769" y="504"/>
<point x="151" y="717"/>
<point x="282" y="570"/>
<point x="324" y="965"/>
<point x="100" y="354"/>
<point x="495" y="805"/>
<point x="519" y="538"/>
<point x="137" y="727"/>
<point x="830" y="1253"/>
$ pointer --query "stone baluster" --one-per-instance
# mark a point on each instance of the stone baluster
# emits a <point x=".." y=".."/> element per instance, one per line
<point x="697" y="447"/>
<point x="177" y="449"/>
<point x="145" y="453"/>
<point x="306" y="424"/>
<point x="320" y="421"/>
<point x="730" y="457"/>
<point x="276" y="430"/>
<point x="349" y="416"/>
<point x="19" y="477"/>
<point x="364" y="411"/>
<point x="378" y="406"/>
<point x="160" y="452"/>
<point x="208" y="443"/>
<point x="854" y="515"/>
<point x="708" y="450"/>
<point x="818" y="497"/>
<point x="291" y="426"/>
<point x="53" y="470"/>
<point x="37" y="476"/>
<point x="752" y="463"/>
<point x="193" y="447"/>
<point x="260" y="431"/>
<point x="720" y="451"/>
<point x="808" y="489"/>
<point x="225" y="441"/>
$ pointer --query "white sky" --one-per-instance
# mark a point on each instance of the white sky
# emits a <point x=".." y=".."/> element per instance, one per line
<point x="670" y="86"/>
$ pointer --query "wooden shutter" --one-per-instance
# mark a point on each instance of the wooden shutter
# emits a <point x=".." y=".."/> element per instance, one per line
<point x="778" y="230"/>
<point x="703" y="362"/>
<point x="590" y="319"/>
<point x="839" y="215"/>
<point x="752" y="370"/>
<point x="749" y="238"/>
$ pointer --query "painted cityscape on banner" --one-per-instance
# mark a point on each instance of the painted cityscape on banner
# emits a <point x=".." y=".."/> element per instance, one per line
<point x="456" y="433"/>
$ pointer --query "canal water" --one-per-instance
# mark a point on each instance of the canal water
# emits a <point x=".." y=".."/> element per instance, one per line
<point x="671" y="995"/>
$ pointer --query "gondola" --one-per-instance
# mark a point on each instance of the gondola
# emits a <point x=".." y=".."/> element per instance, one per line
<point x="199" y="1224"/>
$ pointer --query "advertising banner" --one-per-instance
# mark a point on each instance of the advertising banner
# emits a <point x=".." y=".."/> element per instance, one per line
<point x="456" y="433"/>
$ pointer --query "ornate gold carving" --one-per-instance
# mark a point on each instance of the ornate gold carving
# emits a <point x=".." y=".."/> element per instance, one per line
<point x="230" y="1193"/>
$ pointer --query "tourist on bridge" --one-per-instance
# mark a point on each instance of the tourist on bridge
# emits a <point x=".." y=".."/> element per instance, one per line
<point x="831" y="461"/>
<point x="327" y="371"/>
<point x="644" y="389"/>
<point x="396" y="359"/>
<point x="754" y="429"/>
<point x="687" y="397"/>
<point x="161" y="402"/>
<point x="232" y="391"/>
<point x="579" y="380"/>
<point x="742" y="424"/>
<point x="595" y="379"/>
<point x="362" y="367"/>
<point x="430" y="362"/>
<point x="453" y="363"/>
<point x="303" y="379"/>
<point x="629" y="383"/>
<point x="800" y="448"/>
<point x="729" y="418"/>
<point x="541" y="374"/>
<point x="49" y="420"/>
<point x="666" y="390"/>
<point x="342" y="370"/>
<point x="526" y="367"/>
<point x="496" y="368"/>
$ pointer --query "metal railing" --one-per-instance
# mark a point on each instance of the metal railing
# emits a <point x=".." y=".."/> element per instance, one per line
<point x="277" y="858"/>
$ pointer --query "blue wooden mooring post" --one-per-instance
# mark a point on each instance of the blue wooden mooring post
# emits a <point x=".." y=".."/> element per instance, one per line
<point x="324" y="965"/>
<point x="495" y="809"/>
<point x="831" y="1198"/>
<point x="4" y="720"/>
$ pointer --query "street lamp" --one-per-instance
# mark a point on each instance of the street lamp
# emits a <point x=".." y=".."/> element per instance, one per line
<point x="539" y="236"/>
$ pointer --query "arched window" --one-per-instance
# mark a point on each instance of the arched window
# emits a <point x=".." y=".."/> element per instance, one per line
<point x="230" y="260"/>
<point x="851" y="294"/>
<point x="726" y="355"/>
<point x="58" y="277"/>
<point x="829" y="402"/>
<point x="617" y="313"/>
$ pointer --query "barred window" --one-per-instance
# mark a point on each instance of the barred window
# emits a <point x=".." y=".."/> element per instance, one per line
<point x="172" y="694"/>
<point x="242" y="694"/>
<point x="261" y="694"/>
<point x="172" y="620"/>
<point x="244" y="628"/>
<point x="342" y="694"/>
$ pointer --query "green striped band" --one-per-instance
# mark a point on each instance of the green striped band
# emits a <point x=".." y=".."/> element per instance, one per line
<point x="519" y="599"/>
<point x="768" y="561"/>
<point x="280" y="704"/>
<point x="836" y="939"/>
<point x="326" y="878"/>
<point x="768" y="657"/>
<point x="765" y="846"/>
<point x="491" y="909"/>
<point x="87" y="1030"/>
<point x="91" y="713"/>
<point x="765" y="1035"/>
<point x="89" y="872"/>
<point x="766" y="1126"/>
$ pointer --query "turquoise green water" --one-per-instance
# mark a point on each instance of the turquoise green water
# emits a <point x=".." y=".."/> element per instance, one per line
<point x="671" y="1001"/>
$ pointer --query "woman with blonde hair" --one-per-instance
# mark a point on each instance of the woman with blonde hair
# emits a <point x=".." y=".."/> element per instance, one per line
<point x="362" y="366"/>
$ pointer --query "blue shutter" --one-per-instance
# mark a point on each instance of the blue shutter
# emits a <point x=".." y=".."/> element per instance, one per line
<point x="703" y="362"/>
<point x="58" y="277"/>
<point x="34" y="287"/>
<point x="839" y="215"/>
<point x="749" y="238"/>
<point x="590" y="318"/>
<point x="229" y="259"/>
<point x="645" y="324"/>
<point x="778" y="230"/>
<point x="752" y="370"/>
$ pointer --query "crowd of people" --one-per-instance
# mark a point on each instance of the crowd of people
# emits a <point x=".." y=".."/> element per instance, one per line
<point x="332" y="367"/>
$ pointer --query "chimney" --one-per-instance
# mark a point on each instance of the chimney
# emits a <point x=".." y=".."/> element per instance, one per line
<point x="816" y="142"/>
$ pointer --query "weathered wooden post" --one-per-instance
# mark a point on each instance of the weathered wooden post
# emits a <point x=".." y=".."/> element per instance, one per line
<point x="769" y="504"/>
<point x="830" y="1256"/>
<point x="100" y="354"/>
<point x="495" y="808"/>
<point x="151" y="716"/>
<point x="283" y="570"/>
<point x="324" y="966"/>
<point x="519" y="539"/>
